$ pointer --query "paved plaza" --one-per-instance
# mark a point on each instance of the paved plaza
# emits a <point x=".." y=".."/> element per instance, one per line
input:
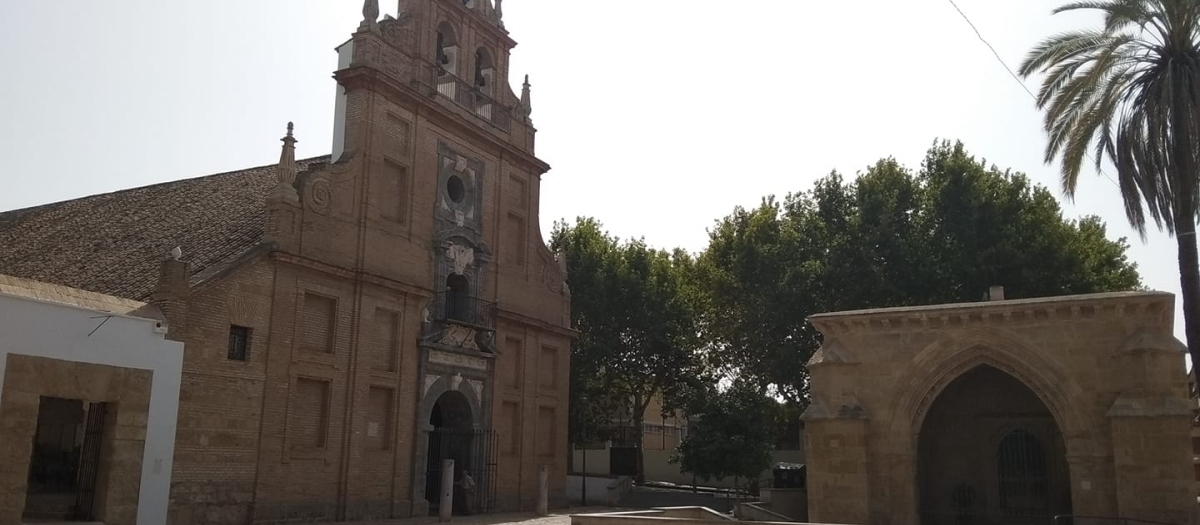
<point x="556" y="517"/>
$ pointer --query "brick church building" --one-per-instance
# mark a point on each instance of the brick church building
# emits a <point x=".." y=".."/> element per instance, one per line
<point x="350" y="321"/>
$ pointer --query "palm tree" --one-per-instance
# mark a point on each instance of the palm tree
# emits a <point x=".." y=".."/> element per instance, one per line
<point x="1130" y="92"/>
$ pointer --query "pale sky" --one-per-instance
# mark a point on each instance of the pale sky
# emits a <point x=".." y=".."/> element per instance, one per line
<point x="658" y="117"/>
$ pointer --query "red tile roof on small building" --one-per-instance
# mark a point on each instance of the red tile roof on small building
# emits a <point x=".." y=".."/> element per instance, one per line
<point x="114" y="243"/>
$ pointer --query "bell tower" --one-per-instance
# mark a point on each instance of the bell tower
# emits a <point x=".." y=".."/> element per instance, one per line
<point x="433" y="162"/>
<point x="458" y="49"/>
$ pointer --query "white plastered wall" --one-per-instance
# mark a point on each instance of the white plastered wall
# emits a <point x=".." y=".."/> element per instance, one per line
<point x="59" y="331"/>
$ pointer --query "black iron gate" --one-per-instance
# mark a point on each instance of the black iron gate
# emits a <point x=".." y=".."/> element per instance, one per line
<point x="89" y="462"/>
<point x="474" y="454"/>
<point x="1022" y="479"/>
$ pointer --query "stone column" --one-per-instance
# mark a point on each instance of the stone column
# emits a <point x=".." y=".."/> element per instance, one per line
<point x="446" y="505"/>
<point x="838" y="486"/>
<point x="543" y="502"/>
<point x="1151" y="459"/>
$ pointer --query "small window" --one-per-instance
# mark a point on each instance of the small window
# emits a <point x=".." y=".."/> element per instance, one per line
<point x="239" y="343"/>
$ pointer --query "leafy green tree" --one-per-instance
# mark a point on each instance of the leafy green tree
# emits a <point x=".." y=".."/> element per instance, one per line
<point x="729" y="433"/>
<point x="1130" y="91"/>
<point x="638" y="338"/>
<point x="892" y="237"/>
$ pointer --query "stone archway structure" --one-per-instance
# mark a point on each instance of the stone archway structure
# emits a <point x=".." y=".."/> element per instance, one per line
<point x="466" y="395"/>
<point x="1105" y="366"/>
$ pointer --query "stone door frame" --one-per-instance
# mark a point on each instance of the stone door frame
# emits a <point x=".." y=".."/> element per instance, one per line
<point x="127" y="393"/>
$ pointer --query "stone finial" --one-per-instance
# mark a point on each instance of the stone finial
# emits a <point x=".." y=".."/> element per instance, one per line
<point x="177" y="253"/>
<point x="285" y="188"/>
<point x="370" y="15"/>
<point x="525" y="109"/>
<point x="500" y="12"/>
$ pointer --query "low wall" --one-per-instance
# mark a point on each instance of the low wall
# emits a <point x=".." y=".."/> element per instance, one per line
<point x="597" y="489"/>
<point x="792" y="503"/>
<point x="663" y="516"/>
<point x="759" y="511"/>
<point x="659" y="468"/>
<point x="597" y="462"/>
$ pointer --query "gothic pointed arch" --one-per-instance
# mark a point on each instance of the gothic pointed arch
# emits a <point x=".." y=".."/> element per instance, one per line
<point x="940" y="363"/>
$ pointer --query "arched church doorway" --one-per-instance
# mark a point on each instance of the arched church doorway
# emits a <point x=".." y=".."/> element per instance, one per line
<point x="456" y="436"/>
<point x="991" y="453"/>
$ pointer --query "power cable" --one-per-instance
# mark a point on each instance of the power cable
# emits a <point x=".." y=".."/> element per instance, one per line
<point x="1017" y="78"/>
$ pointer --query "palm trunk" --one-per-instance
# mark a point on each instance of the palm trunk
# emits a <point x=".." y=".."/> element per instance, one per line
<point x="1189" y="280"/>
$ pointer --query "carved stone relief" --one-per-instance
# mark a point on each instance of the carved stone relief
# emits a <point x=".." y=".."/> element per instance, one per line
<point x="461" y="256"/>
<point x="459" y="360"/>
<point x="458" y="335"/>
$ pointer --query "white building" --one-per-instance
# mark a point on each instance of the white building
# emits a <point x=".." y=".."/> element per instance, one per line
<point x="89" y="390"/>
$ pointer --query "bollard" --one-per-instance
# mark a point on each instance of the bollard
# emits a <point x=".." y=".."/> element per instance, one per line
<point x="446" y="505"/>
<point x="543" y="502"/>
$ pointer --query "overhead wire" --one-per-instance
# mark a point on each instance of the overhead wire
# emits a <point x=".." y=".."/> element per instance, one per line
<point x="1017" y="78"/>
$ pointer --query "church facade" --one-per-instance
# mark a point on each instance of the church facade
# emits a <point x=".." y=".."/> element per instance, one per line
<point x="351" y="321"/>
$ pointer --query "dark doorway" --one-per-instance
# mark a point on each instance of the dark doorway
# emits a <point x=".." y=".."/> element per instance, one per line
<point x="473" y="450"/>
<point x="458" y="298"/>
<point x="65" y="461"/>
<point x="991" y="453"/>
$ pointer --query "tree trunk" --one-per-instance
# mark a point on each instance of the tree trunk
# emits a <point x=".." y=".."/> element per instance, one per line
<point x="1189" y="280"/>
<point x="639" y="413"/>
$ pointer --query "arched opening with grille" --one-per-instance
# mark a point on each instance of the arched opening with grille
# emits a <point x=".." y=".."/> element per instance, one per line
<point x="458" y="298"/>
<point x="991" y="452"/>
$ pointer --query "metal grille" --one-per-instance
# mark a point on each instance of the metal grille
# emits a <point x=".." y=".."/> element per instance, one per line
<point x="1021" y="475"/>
<point x="473" y="451"/>
<point x="89" y="462"/>
<point x="239" y="343"/>
<point x="465" y="308"/>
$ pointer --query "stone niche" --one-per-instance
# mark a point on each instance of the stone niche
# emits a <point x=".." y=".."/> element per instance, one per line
<point x="126" y="394"/>
<point x="1000" y="410"/>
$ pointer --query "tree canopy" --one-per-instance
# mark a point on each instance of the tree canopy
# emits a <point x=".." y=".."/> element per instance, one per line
<point x="892" y="237"/>
<point x="654" y="322"/>
<point x="634" y="309"/>
<point x="729" y="434"/>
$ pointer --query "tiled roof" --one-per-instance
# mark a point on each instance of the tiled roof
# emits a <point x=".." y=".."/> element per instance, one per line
<point x="114" y="243"/>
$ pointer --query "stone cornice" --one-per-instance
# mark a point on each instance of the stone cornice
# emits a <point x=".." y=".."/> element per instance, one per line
<point x="998" y="313"/>
<point x="1128" y="406"/>
<point x="511" y="316"/>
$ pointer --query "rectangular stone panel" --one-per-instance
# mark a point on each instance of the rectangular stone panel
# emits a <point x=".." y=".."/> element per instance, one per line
<point x="548" y="368"/>
<point x="317" y="323"/>
<point x="393" y="195"/>
<point x="379" y="418"/>
<point x="547" y="431"/>
<point x="510" y="419"/>
<point x="387" y="340"/>
<point x="309" y="416"/>
<point x="513" y="358"/>
<point x="514" y="240"/>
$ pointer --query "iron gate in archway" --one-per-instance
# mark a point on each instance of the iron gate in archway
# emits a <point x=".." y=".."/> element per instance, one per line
<point x="474" y="453"/>
<point x="990" y="453"/>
